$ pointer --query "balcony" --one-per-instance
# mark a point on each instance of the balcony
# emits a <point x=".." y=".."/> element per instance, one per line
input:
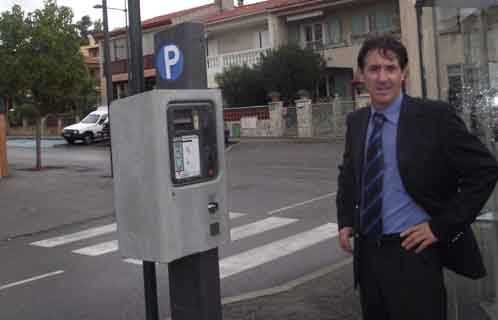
<point x="216" y="64"/>
<point x="121" y="66"/>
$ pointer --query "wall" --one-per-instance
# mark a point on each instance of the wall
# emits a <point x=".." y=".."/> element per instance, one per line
<point x="237" y="40"/>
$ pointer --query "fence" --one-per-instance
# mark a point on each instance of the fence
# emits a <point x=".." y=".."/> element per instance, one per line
<point x="52" y="125"/>
<point x="329" y="119"/>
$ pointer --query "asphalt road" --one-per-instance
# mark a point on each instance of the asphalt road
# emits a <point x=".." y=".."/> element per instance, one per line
<point x="281" y="197"/>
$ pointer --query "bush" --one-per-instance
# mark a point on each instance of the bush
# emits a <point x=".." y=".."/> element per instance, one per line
<point x="290" y="69"/>
<point x="242" y="86"/>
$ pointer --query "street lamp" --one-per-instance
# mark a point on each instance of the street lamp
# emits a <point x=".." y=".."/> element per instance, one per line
<point x="125" y="10"/>
<point x="107" y="71"/>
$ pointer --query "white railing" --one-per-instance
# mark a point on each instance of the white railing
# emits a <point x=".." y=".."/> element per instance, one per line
<point x="220" y="62"/>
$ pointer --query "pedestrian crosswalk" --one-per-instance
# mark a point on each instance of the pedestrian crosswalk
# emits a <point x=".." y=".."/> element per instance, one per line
<point x="230" y="265"/>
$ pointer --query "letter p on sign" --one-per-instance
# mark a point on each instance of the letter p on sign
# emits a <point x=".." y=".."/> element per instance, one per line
<point x="169" y="62"/>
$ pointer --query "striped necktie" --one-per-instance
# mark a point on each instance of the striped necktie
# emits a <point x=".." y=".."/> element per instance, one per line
<point x="373" y="174"/>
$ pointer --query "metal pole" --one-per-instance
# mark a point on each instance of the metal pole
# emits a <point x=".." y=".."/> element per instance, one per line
<point x="419" y="6"/>
<point x="136" y="85"/>
<point x="127" y="45"/>
<point x="107" y="72"/>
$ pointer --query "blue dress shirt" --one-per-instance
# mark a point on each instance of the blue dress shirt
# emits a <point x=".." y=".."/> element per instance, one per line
<point x="399" y="211"/>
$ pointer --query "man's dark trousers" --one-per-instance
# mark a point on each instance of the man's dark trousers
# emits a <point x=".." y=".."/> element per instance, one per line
<point x="398" y="284"/>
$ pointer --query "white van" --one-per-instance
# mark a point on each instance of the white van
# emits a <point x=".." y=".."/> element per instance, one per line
<point x="91" y="128"/>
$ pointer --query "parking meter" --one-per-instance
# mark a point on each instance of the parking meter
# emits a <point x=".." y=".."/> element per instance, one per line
<point x="169" y="182"/>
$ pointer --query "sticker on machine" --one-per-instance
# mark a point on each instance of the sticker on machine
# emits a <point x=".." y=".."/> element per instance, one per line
<point x="187" y="157"/>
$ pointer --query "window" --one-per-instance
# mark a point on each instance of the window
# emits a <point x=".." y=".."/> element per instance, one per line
<point x="335" y="31"/>
<point x="119" y="49"/>
<point x="380" y="19"/>
<point x="360" y="25"/>
<point x="455" y="85"/>
<point x="148" y="43"/>
<point x="313" y="36"/>
<point x="383" y="20"/>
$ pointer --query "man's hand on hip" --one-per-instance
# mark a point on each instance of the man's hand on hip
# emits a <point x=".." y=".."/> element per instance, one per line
<point x="419" y="236"/>
<point x="344" y="239"/>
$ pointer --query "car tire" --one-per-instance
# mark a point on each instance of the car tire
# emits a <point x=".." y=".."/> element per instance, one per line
<point x="70" y="141"/>
<point x="88" y="139"/>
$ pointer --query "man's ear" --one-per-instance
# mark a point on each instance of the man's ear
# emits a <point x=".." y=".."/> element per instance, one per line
<point x="361" y="76"/>
<point x="404" y="74"/>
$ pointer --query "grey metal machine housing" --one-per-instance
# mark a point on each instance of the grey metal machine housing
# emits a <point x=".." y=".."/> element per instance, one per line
<point x="169" y="173"/>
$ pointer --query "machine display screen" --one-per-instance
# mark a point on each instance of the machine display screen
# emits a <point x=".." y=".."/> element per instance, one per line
<point x="193" y="145"/>
<point x="187" y="157"/>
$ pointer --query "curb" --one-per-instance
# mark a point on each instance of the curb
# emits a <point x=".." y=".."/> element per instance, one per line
<point x="287" y="286"/>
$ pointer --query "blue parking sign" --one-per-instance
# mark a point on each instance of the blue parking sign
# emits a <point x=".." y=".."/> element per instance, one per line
<point x="169" y="62"/>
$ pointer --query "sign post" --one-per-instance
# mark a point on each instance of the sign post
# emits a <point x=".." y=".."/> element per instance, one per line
<point x="3" y="138"/>
<point x="194" y="280"/>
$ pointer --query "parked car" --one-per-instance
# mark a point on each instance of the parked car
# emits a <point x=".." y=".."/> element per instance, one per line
<point x="90" y="129"/>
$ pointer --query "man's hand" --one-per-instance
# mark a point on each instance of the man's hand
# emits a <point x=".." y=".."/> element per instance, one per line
<point x="344" y="235"/>
<point x="419" y="236"/>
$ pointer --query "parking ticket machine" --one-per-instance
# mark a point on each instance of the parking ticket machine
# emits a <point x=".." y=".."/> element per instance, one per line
<point x="169" y="173"/>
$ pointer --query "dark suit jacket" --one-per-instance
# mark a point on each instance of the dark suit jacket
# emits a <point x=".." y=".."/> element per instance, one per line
<point x="444" y="168"/>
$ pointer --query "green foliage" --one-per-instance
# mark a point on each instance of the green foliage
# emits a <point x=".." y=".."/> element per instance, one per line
<point x="285" y="70"/>
<point x="241" y="86"/>
<point x="83" y="27"/>
<point x="23" y="111"/>
<point x="289" y="69"/>
<point x="40" y="58"/>
<point x="14" y="35"/>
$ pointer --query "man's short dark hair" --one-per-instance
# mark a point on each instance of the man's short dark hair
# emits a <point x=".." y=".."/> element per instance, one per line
<point x="383" y="44"/>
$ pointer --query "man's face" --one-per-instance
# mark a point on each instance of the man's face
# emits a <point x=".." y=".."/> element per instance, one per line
<point x="383" y="77"/>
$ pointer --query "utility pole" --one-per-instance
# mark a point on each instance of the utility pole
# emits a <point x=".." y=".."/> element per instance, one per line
<point x="136" y="85"/>
<point x="3" y="138"/>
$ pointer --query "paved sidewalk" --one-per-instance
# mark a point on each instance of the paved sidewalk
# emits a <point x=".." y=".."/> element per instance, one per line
<point x="328" y="297"/>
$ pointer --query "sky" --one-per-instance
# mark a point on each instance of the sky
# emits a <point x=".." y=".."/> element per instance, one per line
<point x="148" y="8"/>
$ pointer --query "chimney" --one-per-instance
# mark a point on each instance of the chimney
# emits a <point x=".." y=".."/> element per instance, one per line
<point x="224" y="4"/>
<point x="240" y="3"/>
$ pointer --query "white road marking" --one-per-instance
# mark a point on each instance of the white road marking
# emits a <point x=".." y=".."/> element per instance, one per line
<point x="298" y="168"/>
<point x="236" y="233"/>
<point x="292" y="206"/>
<point x="259" y="227"/>
<point x="235" y="215"/>
<point x="257" y="256"/>
<point x="93" y="232"/>
<point x="85" y="234"/>
<point x="99" y="249"/>
<point x="133" y="261"/>
<point x="18" y="283"/>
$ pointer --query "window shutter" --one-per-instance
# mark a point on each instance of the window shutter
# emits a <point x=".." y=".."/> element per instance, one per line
<point x="359" y="26"/>
<point x="383" y="21"/>
<point x="335" y="30"/>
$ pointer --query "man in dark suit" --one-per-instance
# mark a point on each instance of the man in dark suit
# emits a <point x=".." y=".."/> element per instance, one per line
<point x="412" y="181"/>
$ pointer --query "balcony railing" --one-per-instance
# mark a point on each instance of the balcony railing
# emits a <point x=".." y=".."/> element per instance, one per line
<point x="249" y="57"/>
<point x="121" y="66"/>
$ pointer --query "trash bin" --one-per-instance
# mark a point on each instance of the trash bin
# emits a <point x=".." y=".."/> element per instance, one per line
<point x="236" y="130"/>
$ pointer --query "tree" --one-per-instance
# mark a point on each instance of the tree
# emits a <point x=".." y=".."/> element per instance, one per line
<point x="289" y="69"/>
<point x="49" y="73"/>
<point x="14" y="35"/>
<point x="242" y="86"/>
<point x="84" y="26"/>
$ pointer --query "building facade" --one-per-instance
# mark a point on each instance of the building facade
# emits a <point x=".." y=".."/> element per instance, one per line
<point x="237" y="35"/>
